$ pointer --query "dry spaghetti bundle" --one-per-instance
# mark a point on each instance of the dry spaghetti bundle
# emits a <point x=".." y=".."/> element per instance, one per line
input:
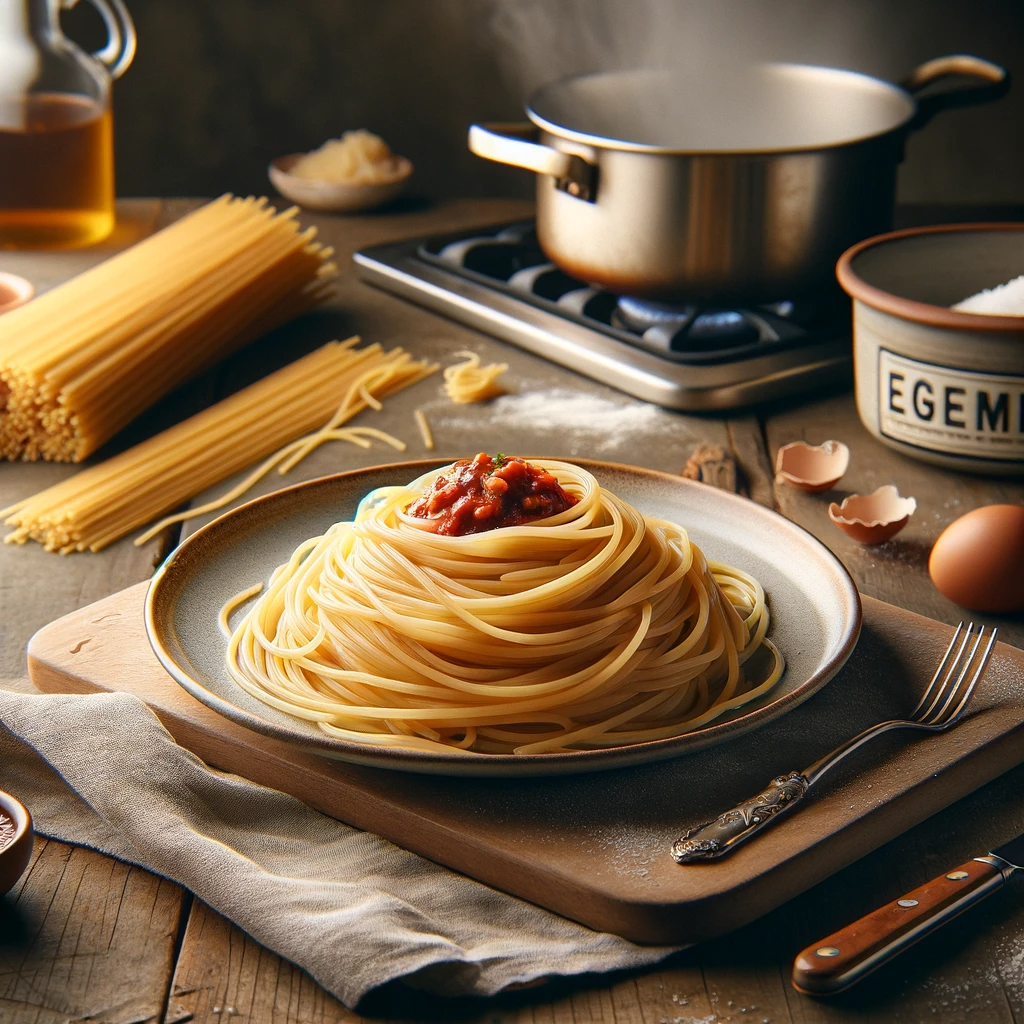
<point x="106" y="501"/>
<point x="84" y="359"/>
<point x="593" y="627"/>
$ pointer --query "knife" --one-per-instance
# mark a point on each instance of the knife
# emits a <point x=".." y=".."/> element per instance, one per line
<point x="846" y="956"/>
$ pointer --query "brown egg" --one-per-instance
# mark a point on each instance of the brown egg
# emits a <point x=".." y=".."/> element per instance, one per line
<point x="978" y="560"/>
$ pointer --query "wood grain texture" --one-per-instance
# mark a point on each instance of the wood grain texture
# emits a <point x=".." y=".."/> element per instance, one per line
<point x="86" y="938"/>
<point x="969" y="973"/>
<point x="574" y="844"/>
<point x="963" y="975"/>
<point x="224" y="975"/>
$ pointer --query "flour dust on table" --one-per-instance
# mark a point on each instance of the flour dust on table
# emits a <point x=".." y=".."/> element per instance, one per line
<point x="583" y="423"/>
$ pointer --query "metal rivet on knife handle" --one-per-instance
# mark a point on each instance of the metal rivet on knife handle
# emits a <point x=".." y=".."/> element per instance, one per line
<point x="866" y="944"/>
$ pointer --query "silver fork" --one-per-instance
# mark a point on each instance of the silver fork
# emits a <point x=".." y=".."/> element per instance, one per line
<point x="942" y="706"/>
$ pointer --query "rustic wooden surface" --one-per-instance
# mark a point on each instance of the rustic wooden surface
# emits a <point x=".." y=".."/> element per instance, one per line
<point x="538" y="838"/>
<point x="82" y="938"/>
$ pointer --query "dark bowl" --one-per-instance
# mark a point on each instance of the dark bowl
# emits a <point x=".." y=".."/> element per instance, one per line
<point x="16" y="849"/>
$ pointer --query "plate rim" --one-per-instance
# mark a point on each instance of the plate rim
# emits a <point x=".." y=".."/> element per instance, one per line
<point x="508" y="765"/>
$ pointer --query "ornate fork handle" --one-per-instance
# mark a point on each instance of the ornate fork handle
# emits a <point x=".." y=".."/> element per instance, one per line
<point x="725" y="833"/>
<point x="714" y="838"/>
<point x="941" y="706"/>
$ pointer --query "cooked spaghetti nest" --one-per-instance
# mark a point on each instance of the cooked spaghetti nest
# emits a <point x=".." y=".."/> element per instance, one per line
<point x="593" y="628"/>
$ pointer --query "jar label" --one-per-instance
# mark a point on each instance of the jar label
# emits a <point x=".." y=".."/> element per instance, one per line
<point x="958" y="412"/>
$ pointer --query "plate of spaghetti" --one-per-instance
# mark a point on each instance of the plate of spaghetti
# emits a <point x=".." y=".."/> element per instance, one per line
<point x="502" y="616"/>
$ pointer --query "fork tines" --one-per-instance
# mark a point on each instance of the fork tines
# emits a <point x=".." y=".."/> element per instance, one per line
<point x="957" y="677"/>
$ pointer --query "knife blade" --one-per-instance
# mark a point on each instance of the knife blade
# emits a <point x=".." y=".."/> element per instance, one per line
<point x="843" y="958"/>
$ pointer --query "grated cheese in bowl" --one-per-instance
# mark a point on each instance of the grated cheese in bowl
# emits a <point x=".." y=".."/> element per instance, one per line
<point x="358" y="158"/>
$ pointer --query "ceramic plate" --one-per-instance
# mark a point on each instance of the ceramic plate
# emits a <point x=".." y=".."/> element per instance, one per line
<point x="814" y="606"/>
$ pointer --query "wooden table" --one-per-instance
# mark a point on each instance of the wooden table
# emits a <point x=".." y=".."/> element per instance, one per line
<point x="85" y="938"/>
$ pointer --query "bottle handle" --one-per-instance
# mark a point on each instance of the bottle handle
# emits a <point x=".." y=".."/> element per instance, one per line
<point x="120" y="49"/>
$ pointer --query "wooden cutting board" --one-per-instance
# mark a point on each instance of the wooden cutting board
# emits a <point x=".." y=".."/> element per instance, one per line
<point x="595" y="848"/>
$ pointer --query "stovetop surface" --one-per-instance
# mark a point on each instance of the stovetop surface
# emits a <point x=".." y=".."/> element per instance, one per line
<point x="509" y="259"/>
<point x="687" y="356"/>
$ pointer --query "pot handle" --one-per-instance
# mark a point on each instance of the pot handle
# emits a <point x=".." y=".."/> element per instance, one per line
<point x="997" y="85"/>
<point x="514" y="144"/>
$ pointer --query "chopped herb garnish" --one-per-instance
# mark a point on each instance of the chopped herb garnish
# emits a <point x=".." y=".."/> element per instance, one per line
<point x="499" y="460"/>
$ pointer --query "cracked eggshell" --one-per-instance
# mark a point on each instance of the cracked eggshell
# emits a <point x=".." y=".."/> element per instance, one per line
<point x="810" y="467"/>
<point x="873" y="518"/>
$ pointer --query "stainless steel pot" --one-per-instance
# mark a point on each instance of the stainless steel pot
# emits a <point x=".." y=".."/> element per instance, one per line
<point x="741" y="185"/>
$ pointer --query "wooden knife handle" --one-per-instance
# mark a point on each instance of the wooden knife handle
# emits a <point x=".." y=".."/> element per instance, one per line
<point x="846" y="956"/>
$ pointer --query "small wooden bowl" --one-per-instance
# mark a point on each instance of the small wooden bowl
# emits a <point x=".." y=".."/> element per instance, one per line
<point x="14" y="291"/>
<point x="330" y="197"/>
<point x="16" y="849"/>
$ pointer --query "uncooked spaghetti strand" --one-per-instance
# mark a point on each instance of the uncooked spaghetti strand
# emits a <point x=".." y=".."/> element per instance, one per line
<point x="385" y="380"/>
<point x="425" y="432"/>
<point x="469" y="381"/>
<point x="249" y="407"/>
<point x="213" y="470"/>
<point x="353" y="436"/>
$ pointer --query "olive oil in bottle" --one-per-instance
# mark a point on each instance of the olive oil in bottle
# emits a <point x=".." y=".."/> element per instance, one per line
<point x="56" y="137"/>
<point x="56" y="171"/>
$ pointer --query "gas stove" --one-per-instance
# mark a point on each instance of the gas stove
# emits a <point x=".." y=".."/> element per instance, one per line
<point x="686" y="356"/>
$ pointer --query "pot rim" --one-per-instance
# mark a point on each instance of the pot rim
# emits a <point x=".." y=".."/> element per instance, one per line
<point x="924" y="312"/>
<point x="561" y="131"/>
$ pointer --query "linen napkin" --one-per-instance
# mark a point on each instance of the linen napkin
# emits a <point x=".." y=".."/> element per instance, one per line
<point x="352" y="909"/>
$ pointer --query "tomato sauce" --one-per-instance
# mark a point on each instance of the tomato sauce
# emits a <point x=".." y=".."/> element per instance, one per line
<point x="486" y="494"/>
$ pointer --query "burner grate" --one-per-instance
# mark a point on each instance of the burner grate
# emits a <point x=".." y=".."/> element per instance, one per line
<point x="511" y="258"/>
<point x="687" y="356"/>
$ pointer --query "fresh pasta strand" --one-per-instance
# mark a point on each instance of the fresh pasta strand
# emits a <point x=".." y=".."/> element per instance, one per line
<point x="592" y="628"/>
<point x="108" y="500"/>
<point x="84" y="359"/>
<point x="234" y="602"/>
<point x="469" y="381"/>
